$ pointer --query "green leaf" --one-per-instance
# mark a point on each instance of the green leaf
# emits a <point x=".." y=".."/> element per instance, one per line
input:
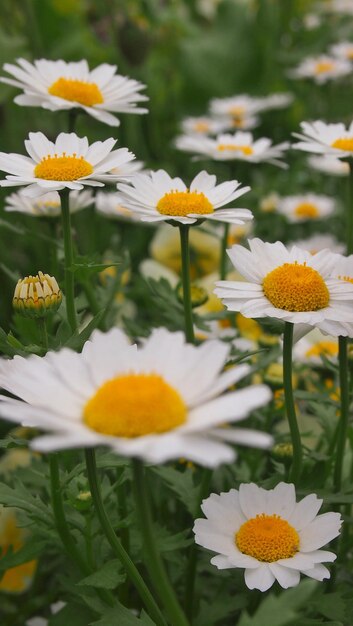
<point x="108" y="577"/>
<point x="78" y="339"/>
<point x="182" y="484"/>
<point x="21" y="498"/>
<point x="331" y="605"/>
<point x="84" y="267"/>
<point x="72" y="614"/>
<point x="30" y="551"/>
<point x="282" y="609"/>
<point x="121" y="616"/>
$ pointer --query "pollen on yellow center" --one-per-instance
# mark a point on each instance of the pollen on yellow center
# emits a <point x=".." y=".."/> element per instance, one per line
<point x="296" y="287"/>
<point x="54" y="167"/>
<point x="133" y="405"/>
<point x="324" y="348"/>
<point x="343" y="143"/>
<point x="74" y="90"/>
<point x="267" y="538"/>
<point x="183" y="203"/>
<point x="246" y="150"/>
<point x="324" y="66"/>
<point x="306" y="210"/>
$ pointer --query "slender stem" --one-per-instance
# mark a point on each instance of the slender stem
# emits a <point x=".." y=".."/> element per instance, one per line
<point x="185" y="273"/>
<point x="59" y="515"/>
<point x="42" y="325"/>
<point x="69" y="259"/>
<point x="73" y="113"/>
<point x="343" y="425"/>
<point x="116" y="545"/>
<point x="350" y="209"/>
<point x="223" y="259"/>
<point x="289" y="403"/>
<point x="192" y="563"/>
<point x="154" y="562"/>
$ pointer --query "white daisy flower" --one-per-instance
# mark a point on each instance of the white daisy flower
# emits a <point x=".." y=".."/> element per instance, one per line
<point x="291" y="285"/>
<point x="344" y="7"/>
<point x="157" y="197"/>
<point x="243" y="106"/>
<point x="57" y="85"/>
<point x="276" y="101"/>
<point x="329" y="165"/>
<point x="202" y="125"/>
<point x="158" y="402"/>
<point x="268" y="533"/>
<point x="333" y="140"/>
<point x="70" y="163"/>
<point x="322" y="68"/>
<point x="125" y="170"/>
<point x="316" y="243"/>
<point x="108" y="204"/>
<point x="311" y="348"/>
<point x="306" y="207"/>
<point x="239" y="146"/>
<point x="343" y="50"/>
<point x="49" y="204"/>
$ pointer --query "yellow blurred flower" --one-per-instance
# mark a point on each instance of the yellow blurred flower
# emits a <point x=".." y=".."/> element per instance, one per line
<point x="16" y="579"/>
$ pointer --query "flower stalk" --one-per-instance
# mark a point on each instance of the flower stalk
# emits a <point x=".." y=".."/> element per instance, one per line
<point x="295" y="470"/>
<point x="185" y="272"/>
<point x="69" y="260"/>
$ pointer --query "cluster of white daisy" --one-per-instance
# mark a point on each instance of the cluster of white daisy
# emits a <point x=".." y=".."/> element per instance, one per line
<point x="163" y="398"/>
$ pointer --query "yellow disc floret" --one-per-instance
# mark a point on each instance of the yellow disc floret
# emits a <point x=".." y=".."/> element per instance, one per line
<point x="344" y="143"/>
<point x="246" y="150"/>
<point x="182" y="203"/>
<point x="80" y="91"/>
<point x="267" y="538"/>
<point x="324" y="348"/>
<point x="306" y="210"/>
<point x="324" y="66"/>
<point x="133" y="405"/>
<point x="296" y="287"/>
<point x="54" y="167"/>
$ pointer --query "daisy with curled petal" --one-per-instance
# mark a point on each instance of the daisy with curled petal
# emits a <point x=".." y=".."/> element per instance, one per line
<point x="162" y="401"/>
<point x="291" y="285"/>
<point x="322" y="68"/>
<point x="306" y="207"/>
<point x="108" y="204"/>
<point x="157" y="197"/>
<point x="329" y="165"/>
<point x="316" y="243"/>
<point x="49" y="204"/>
<point x="334" y="140"/>
<point x="268" y="533"/>
<point x="69" y="162"/>
<point x="57" y="85"/>
<point x="239" y="146"/>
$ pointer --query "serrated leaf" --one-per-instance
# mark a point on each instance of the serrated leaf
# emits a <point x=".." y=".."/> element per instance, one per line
<point x="120" y="615"/>
<point x="30" y="551"/>
<point x="282" y="609"/>
<point x="182" y="484"/>
<point x="78" y="339"/>
<point x="108" y="577"/>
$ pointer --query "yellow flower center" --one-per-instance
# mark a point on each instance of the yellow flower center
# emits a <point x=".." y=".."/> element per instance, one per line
<point x="325" y="348"/>
<point x="63" y="167"/>
<point x="246" y="150"/>
<point x="344" y="143"/>
<point x="133" y="405"/>
<point x="184" y="202"/>
<point x="237" y="111"/>
<point x="324" y="66"/>
<point x="201" y="127"/>
<point x="267" y="538"/>
<point x="296" y="287"/>
<point x="80" y="91"/>
<point x="306" y="210"/>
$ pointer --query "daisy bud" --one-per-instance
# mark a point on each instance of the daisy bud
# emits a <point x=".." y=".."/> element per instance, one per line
<point x="83" y="501"/>
<point x="198" y="295"/>
<point x="283" y="452"/>
<point x="37" y="296"/>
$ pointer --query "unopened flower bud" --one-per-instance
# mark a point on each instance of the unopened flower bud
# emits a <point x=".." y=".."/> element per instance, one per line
<point x="37" y="296"/>
<point x="198" y="295"/>
<point x="283" y="452"/>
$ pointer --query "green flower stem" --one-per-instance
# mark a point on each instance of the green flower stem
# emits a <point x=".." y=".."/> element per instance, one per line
<point x="60" y="519"/>
<point x="295" y="471"/>
<point x="343" y="424"/>
<point x="185" y="272"/>
<point x="42" y="325"/>
<point x="153" y="560"/>
<point x="192" y="563"/>
<point x="350" y="209"/>
<point x="69" y="259"/>
<point x="116" y="545"/>
<point x="223" y="259"/>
